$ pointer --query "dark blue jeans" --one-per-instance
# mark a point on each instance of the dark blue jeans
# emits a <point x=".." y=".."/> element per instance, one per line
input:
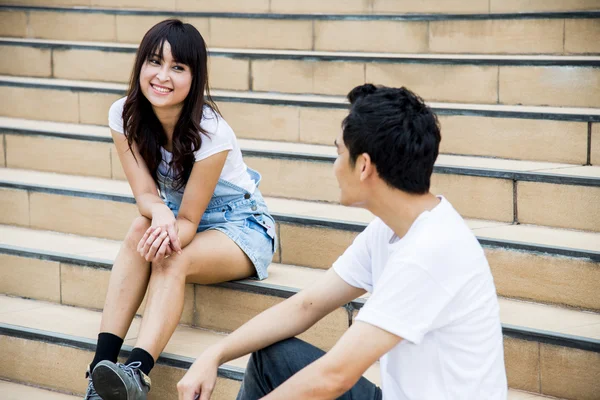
<point x="270" y="367"/>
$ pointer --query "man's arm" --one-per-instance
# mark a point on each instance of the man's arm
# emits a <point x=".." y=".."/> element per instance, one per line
<point x="287" y="319"/>
<point x="337" y="371"/>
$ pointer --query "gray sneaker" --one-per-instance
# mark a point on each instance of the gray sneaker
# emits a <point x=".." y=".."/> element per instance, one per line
<point x="121" y="382"/>
<point x="90" y="394"/>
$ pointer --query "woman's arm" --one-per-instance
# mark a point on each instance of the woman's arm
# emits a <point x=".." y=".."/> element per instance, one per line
<point x="198" y="192"/>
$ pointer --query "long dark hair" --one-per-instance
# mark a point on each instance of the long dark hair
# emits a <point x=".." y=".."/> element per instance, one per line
<point x="140" y="123"/>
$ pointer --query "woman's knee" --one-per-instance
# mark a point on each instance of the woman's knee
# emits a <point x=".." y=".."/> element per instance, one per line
<point x="176" y="265"/>
<point x="138" y="228"/>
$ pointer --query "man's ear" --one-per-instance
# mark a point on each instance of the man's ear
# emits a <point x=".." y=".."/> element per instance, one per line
<point x="367" y="168"/>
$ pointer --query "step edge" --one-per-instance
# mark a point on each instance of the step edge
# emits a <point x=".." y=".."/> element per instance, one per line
<point x="316" y="16"/>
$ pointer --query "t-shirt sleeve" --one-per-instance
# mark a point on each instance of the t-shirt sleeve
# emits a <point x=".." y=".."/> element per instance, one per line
<point x="354" y="266"/>
<point x="220" y="136"/>
<point x="406" y="301"/>
<point x="115" y="115"/>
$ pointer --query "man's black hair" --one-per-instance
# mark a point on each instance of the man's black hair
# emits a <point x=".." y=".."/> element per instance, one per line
<point x="398" y="131"/>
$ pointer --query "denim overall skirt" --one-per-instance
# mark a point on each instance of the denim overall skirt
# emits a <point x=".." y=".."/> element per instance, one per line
<point x="241" y="215"/>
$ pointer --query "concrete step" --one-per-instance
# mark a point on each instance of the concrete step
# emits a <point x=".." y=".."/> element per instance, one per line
<point x="534" y="360"/>
<point x="74" y="270"/>
<point x="552" y="194"/>
<point x="554" y="134"/>
<point x="331" y="6"/>
<point x="529" y="262"/>
<point x="492" y="79"/>
<point x="514" y="33"/>
<point x="16" y="391"/>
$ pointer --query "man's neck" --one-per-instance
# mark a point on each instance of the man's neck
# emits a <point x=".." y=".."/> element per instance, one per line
<point x="398" y="209"/>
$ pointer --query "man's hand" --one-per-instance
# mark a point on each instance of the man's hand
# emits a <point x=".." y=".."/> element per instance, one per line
<point x="199" y="382"/>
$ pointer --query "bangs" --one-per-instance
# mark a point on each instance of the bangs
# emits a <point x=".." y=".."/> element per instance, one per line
<point x="186" y="43"/>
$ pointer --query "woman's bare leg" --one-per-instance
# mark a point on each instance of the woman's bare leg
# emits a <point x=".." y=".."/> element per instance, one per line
<point x="211" y="257"/>
<point x="128" y="282"/>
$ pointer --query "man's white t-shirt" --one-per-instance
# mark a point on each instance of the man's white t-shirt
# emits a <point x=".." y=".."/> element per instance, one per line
<point x="434" y="289"/>
<point x="220" y="138"/>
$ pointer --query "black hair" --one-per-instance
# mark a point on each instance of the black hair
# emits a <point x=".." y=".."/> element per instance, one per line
<point x="141" y="125"/>
<point x="398" y="131"/>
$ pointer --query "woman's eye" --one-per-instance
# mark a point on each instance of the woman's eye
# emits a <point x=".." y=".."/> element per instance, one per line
<point x="154" y="62"/>
<point x="178" y="68"/>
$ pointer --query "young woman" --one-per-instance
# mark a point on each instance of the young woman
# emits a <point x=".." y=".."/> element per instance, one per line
<point x="203" y="219"/>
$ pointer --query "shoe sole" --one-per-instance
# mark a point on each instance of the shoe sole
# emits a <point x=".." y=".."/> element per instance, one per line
<point x="108" y="383"/>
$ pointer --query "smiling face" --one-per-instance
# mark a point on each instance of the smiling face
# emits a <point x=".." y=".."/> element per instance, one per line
<point x="164" y="81"/>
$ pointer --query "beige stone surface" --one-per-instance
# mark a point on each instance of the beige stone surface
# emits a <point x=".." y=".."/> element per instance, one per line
<point x="219" y="309"/>
<point x="14" y="391"/>
<point x="228" y="73"/>
<point x="578" y="33"/>
<point x="132" y="28"/>
<point x="370" y="36"/>
<point x="117" y="168"/>
<point x="93" y="107"/>
<point x="28" y="61"/>
<point x="14" y="23"/>
<point x="476" y="197"/>
<point x="261" y="34"/>
<point x="566" y="281"/>
<point x="259" y="121"/>
<point x="84" y="286"/>
<point x="516" y="36"/>
<point x="439" y="82"/>
<point x="48" y="3"/>
<point x="163" y="5"/>
<point x="318" y="6"/>
<point x="243" y="6"/>
<point x="569" y="373"/>
<point x="292" y="76"/>
<point x="2" y="152"/>
<point x="555" y="86"/>
<point x="66" y="156"/>
<point x="320" y="126"/>
<point x="39" y="104"/>
<point x="561" y="206"/>
<point x="520" y="139"/>
<point x="509" y="6"/>
<point x="93" y="65"/>
<point x="431" y="6"/>
<point x="313" y="246"/>
<point x="29" y="277"/>
<point x="14" y="207"/>
<point x="55" y="370"/>
<point x="595" y="149"/>
<point x="82" y="216"/>
<point x="296" y="179"/>
<point x="522" y="360"/>
<point x="72" y="26"/>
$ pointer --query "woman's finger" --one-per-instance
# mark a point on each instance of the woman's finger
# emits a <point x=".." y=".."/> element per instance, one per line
<point x="162" y="250"/>
<point x="149" y="241"/>
<point x="175" y="243"/>
<point x="155" y="246"/>
<point x="144" y="238"/>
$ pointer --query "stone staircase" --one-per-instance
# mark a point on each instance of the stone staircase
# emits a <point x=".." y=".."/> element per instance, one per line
<point x="516" y="85"/>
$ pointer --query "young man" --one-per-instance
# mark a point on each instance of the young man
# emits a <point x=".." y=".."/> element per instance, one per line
<point x="432" y="317"/>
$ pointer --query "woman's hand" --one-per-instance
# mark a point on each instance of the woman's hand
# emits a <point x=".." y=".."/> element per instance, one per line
<point x="199" y="382"/>
<point x="161" y="239"/>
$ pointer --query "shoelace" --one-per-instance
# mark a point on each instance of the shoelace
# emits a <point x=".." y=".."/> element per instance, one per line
<point x="91" y="390"/>
<point x="130" y="370"/>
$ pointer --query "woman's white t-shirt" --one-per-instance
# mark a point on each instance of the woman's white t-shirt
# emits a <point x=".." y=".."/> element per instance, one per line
<point x="220" y="138"/>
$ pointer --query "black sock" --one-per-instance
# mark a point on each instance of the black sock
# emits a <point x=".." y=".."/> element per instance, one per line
<point x="108" y="348"/>
<point x="141" y="355"/>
